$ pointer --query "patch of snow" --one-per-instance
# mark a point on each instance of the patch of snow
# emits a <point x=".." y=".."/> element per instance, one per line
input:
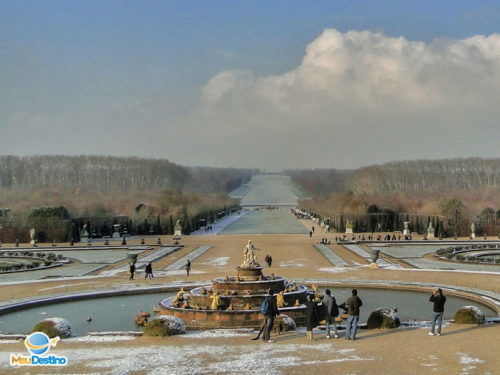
<point x="100" y="338"/>
<point x="181" y="272"/>
<point x="220" y="261"/>
<point x="334" y="269"/>
<point x="466" y="359"/>
<point x="217" y="333"/>
<point x="291" y="263"/>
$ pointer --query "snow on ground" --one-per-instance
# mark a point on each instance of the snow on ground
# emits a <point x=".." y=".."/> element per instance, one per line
<point x="91" y="338"/>
<point x="334" y="269"/>
<point x="220" y="261"/>
<point x="292" y="263"/>
<point x="180" y="272"/>
<point x="262" y="358"/>
<point x="218" y="333"/>
<point x="467" y="360"/>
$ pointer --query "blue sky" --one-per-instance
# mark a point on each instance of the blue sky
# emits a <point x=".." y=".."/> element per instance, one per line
<point x="133" y="71"/>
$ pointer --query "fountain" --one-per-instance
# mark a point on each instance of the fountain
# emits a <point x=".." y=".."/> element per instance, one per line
<point x="234" y="301"/>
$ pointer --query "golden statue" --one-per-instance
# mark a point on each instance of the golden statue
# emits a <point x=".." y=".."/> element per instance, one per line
<point x="215" y="301"/>
<point x="280" y="300"/>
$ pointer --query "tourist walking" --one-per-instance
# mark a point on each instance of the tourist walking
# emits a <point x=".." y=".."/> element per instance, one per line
<point x="330" y="311"/>
<point x="312" y="315"/>
<point x="270" y="260"/>
<point x="352" y="304"/>
<point x="266" y="259"/>
<point x="269" y="309"/>
<point x="149" y="271"/>
<point x="188" y="267"/>
<point x="131" y="270"/>
<point x="439" y="300"/>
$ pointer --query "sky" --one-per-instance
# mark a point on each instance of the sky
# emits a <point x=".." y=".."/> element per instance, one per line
<point x="260" y="84"/>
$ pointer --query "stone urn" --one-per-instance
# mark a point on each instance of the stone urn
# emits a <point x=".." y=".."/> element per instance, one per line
<point x="132" y="258"/>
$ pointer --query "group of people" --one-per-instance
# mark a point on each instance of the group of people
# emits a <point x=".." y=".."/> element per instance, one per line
<point x="148" y="271"/>
<point x="328" y="310"/>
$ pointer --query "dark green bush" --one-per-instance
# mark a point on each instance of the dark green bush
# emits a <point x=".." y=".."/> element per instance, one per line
<point x="47" y="328"/>
<point x="157" y="328"/>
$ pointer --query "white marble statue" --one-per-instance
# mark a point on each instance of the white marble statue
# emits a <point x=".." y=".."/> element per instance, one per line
<point x="249" y="257"/>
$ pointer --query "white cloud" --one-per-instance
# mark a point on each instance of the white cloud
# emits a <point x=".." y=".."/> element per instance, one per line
<point x="365" y="87"/>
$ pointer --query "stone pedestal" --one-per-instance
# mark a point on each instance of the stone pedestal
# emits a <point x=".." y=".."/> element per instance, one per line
<point x="406" y="230"/>
<point x="249" y="274"/>
<point x="348" y="231"/>
<point x="374" y="254"/>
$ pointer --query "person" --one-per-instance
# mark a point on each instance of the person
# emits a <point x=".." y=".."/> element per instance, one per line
<point x="188" y="267"/>
<point x="330" y="311"/>
<point x="269" y="315"/>
<point x="352" y="304"/>
<point x="312" y="315"/>
<point x="149" y="271"/>
<point x="310" y="234"/>
<point x="270" y="260"/>
<point x="131" y="270"/>
<point x="439" y="300"/>
<point x="267" y="260"/>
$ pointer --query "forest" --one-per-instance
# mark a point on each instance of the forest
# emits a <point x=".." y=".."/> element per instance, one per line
<point x="147" y="194"/>
<point x="453" y="192"/>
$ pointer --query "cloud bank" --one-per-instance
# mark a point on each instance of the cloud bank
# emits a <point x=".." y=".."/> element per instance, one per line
<point x="358" y="98"/>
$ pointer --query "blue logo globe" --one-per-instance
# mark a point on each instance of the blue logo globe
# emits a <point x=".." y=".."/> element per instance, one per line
<point x="37" y="343"/>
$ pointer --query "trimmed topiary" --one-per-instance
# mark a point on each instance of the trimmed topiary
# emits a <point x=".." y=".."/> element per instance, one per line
<point x="469" y="315"/>
<point x="383" y="318"/>
<point x="53" y="327"/>
<point x="164" y="325"/>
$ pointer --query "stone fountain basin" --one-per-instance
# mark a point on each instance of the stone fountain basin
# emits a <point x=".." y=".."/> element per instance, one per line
<point x="254" y="286"/>
<point x="216" y="319"/>
<point x="238" y="301"/>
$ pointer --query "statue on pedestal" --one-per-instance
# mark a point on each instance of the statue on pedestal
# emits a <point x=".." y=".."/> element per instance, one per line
<point x="406" y="230"/>
<point x="349" y="227"/>
<point x="32" y="236"/>
<point x="249" y="257"/>
<point x="430" y="231"/>
<point x="473" y="230"/>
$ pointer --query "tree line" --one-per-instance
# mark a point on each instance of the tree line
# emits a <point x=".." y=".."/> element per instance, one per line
<point x="415" y="175"/>
<point x="114" y="173"/>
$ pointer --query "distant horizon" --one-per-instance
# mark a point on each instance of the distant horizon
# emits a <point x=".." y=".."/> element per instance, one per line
<point x="261" y="170"/>
<point x="278" y="85"/>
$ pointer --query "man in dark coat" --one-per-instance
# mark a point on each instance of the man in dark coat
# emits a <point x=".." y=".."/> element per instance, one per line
<point x="352" y="304"/>
<point x="269" y="316"/>
<point x="149" y="271"/>
<point x="312" y="315"/>
<point x="330" y="311"/>
<point x="131" y="270"/>
<point x="439" y="300"/>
